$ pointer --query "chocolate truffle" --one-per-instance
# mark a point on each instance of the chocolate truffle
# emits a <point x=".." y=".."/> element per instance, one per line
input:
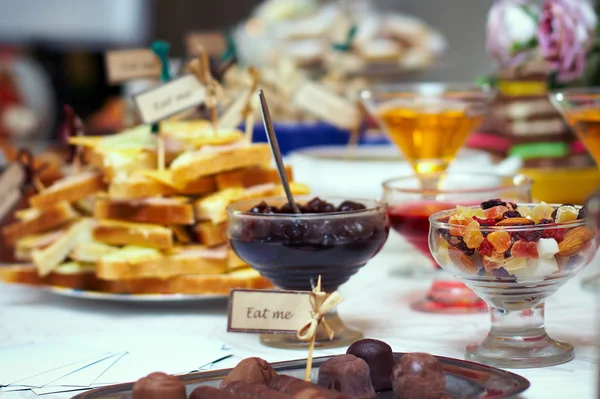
<point x="349" y="375"/>
<point x="243" y="390"/>
<point x="418" y="376"/>
<point x="379" y="357"/>
<point x="252" y="370"/>
<point x="159" y="386"/>
<point x="293" y="386"/>
<point x="206" y="392"/>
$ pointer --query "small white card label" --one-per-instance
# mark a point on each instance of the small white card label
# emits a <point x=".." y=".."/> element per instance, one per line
<point x="123" y="65"/>
<point x="268" y="311"/>
<point x="327" y="105"/>
<point x="171" y="98"/>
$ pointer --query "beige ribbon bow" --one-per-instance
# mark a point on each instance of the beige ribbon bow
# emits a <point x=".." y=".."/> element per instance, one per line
<point x="322" y="303"/>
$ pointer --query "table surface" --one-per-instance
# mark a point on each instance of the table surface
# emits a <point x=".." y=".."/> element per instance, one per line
<point x="377" y="301"/>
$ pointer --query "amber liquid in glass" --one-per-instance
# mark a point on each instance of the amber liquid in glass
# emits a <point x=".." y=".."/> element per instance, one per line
<point x="428" y="138"/>
<point x="586" y="123"/>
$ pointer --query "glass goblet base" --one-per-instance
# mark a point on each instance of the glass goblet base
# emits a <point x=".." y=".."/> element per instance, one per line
<point x="343" y="336"/>
<point x="450" y="297"/>
<point x="518" y="339"/>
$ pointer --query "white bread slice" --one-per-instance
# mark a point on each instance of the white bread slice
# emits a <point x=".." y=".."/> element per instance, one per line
<point x="153" y="183"/>
<point x="116" y="232"/>
<point x="214" y="207"/>
<point x="85" y="206"/>
<point x="25" y="246"/>
<point x="207" y="161"/>
<point x="69" y="189"/>
<point x="69" y="275"/>
<point x="252" y="176"/>
<point x="47" y="259"/>
<point x="190" y="135"/>
<point x="90" y="252"/>
<point x="193" y="284"/>
<point x="39" y="221"/>
<point x="211" y="234"/>
<point x="161" y="211"/>
<point x="120" y="163"/>
<point x="137" y="262"/>
<point x="137" y="137"/>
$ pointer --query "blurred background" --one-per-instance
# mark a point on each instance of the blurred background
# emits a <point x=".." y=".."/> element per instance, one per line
<point x="51" y="52"/>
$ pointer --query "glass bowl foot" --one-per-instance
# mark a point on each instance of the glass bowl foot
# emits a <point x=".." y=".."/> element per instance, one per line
<point x="527" y="353"/>
<point x="343" y="336"/>
<point x="450" y="297"/>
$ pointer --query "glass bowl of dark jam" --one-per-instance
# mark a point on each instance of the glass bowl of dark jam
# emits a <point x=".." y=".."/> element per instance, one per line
<point x="331" y="237"/>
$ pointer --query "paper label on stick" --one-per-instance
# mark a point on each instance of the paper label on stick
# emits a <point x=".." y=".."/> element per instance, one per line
<point x="268" y="311"/>
<point x="123" y="65"/>
<point x="171" y="98"/>
<point x="327" y="105"/>
<point x="213" y="42"/>
<point x="12" y="180"/>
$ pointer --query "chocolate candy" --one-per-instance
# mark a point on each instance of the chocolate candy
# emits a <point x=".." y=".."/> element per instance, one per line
<point x="252" y="370"/>
<point x="418" y="376"/>
<point x="293" y="386"/>
<point x="349" y="375"/>
<point x="159" y="386"/>
<point x="206" y="392"/>
<point x="379" y="357"/>
<point x="309" y="393"/>
<point x="243" y="390"/>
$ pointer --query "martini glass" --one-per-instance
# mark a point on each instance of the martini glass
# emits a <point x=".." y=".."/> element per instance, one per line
<point x="580" y="108"/>
<point x="428" y="122"/>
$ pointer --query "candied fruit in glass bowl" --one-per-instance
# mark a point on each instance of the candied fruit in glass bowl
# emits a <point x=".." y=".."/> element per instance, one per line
<point x="525" y="256"/>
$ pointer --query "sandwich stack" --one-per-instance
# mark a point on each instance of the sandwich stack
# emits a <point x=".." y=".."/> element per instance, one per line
<point x="124" y="225"/>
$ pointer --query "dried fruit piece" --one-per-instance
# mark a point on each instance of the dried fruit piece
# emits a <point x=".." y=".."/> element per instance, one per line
<point x="511" y="214"/>
<point x="541" y="211"/>
<point x="492" y="203"/>
<point x="574" y="241"/>
<point x="516" y="221"/>
<point x="500" y="240"/>
<point x="547" y="247"/>
<point x="485" y="248"/>
<point x="524" y="210"/>
<point x="554" y="213"/>
<point x="462" y="261"/>
<point x="528" y="235"/>
<point x="485" y="222"/>
<point x="469" y="212"/>
<point x="513" y="264"/>
<point x="555" y="233"/>
<point x="524" y="249"/>
<point x="459" y="223"/>
<point x="566" y="214"/>
<point x="495" y="212"/>
<point x="536" y="269"/>
<point x="473" y="237"/>
<point x="582" y="213"/>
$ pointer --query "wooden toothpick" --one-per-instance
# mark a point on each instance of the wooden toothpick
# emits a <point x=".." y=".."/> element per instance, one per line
<point x="161" y="49"/>
<point x="321" y="303"/>
<point x="248" y="110"/>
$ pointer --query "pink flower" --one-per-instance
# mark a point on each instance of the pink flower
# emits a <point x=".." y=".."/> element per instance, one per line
<point x="565" y="33"/>
<point x="511" y="31"/>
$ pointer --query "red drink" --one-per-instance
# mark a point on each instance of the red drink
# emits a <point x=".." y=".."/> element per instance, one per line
<point x="411" y="220"/>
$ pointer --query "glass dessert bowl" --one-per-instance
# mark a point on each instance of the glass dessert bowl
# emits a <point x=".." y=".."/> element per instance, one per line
<point x="514" y="257"/>
<point x="409" y="208"/>
<point x="332" y="238"/>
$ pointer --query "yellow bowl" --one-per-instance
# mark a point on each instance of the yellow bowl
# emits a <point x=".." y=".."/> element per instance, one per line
<point x="563" y="186"/>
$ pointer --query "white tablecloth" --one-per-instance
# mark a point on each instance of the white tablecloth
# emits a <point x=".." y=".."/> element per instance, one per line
<point x="376" y="301"/>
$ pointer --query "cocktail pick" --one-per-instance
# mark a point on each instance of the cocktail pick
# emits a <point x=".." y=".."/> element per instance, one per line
<point x="322" y="303"/>
<point x="266" y="116"/>
<point x="201" y="68"/>
<point x="161" y="49"/>
<point x="248" y="110"/>
<point x="26" y="158"/>
<point x="72" y="127"/>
